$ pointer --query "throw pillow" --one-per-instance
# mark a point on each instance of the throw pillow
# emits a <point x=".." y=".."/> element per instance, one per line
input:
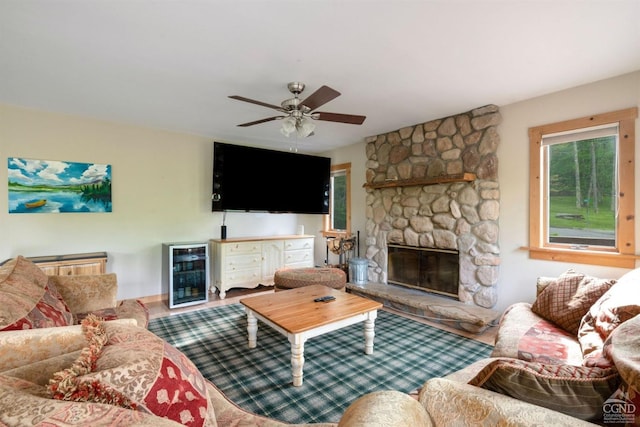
<point x="568" y="298"/>
<point x="70" y="384"/>
<point x="27" y="300"/>
<point x="623" y="348"/>
<point x="577" y="391"/>
<point x="87" y="293"/>
<point x="619" y="304"/>
<point x="138" y="369"/>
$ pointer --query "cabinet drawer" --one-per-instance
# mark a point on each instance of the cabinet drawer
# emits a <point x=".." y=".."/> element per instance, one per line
<point x="304" y="255"/>
<point x="241" y="248"/>
<point x="296" y="244"/>
<point x="242" y="262"/>
<point x="241" y="276"/>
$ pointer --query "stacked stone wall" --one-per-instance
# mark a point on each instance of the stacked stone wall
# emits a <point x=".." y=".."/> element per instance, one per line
<point x="456" y="215"/>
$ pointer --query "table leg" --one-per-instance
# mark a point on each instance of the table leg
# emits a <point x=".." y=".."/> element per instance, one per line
<point x="252" y="328"/>
<point x="369" y="333"/>
<point x="297" y="358"/>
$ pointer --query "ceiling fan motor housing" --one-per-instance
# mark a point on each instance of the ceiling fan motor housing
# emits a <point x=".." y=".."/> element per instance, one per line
<point x="295" y="87"/>
<point x="290" y="104"/>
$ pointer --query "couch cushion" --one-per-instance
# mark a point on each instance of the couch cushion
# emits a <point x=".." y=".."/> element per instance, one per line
<point x="126" y="309"/>
<point x="578" y="391"/>
<point x="27" y="300"/>
<point x="567" y="299"/>
<point x="623" y="348"/>
<point x="545" y="342"/>
<point x="619" y="304"/>
<point x="451" y="403"/>
<point x="525" y="335"/>
<point x="138" y="369"/>
<point x="87" y="293"/>
<point x="23" y="404"/>
<point x="388" y="408"/>
<point x="30" y="346"/>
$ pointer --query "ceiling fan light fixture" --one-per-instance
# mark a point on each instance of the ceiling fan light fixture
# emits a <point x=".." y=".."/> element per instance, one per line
<point x="301" y="126"/>
<point x="305" y="128"/>
<point x="288" y="126"/>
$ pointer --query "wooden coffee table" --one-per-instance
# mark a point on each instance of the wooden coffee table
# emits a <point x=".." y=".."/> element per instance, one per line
<point x="296" y="315"/>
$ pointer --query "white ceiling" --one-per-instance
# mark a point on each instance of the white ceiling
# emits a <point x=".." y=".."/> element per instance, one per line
<point x="171" y="64"/>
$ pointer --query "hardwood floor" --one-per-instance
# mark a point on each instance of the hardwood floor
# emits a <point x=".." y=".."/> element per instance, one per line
<point x="159" y="308"/>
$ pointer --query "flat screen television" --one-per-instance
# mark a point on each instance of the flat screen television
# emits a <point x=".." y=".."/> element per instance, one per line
<point x="257" y="179"/>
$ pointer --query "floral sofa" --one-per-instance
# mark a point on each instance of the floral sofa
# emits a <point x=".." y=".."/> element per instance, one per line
<point x="71" y="355"/>
<point x="572" y="357"/>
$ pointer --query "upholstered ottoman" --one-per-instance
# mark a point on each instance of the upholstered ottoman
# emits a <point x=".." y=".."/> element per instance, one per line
<point x="299" y="277"/>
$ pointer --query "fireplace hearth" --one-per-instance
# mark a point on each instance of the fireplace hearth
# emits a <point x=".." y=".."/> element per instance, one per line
<point x="429" y="269"/>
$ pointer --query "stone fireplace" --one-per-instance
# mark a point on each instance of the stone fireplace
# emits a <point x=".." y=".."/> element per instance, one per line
<point x="435" y="185"/>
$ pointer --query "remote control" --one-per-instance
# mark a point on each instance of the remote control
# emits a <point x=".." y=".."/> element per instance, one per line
<point x="325" y="298"/>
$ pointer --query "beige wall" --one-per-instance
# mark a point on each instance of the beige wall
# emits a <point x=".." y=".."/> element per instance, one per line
<point x="161" y="193"/>
<point x="518" y="272"/>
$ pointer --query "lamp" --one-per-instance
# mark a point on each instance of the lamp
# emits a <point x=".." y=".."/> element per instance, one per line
<point x="300" y="125"/>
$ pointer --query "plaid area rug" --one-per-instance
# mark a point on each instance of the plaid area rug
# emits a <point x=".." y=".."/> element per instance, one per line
<point x="336" y="371"/>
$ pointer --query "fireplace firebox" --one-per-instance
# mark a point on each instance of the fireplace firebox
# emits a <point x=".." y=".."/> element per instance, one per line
<point x="429" y="269"/>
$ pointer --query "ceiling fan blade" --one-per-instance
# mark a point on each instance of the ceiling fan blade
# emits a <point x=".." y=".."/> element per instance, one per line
<point x="257" y="122"/>
<point x="342" y="118"/>
<point x="320" y="97"/>
<point x="253" y="101"/>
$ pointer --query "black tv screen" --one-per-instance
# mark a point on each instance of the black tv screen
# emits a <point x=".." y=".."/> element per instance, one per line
<point x="257" y="179"/>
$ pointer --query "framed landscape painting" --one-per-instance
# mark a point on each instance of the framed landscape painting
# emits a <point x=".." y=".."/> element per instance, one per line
<point x="50" y="186"/>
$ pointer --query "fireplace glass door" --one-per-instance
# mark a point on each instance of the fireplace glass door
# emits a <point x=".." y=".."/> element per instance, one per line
<point x="433" y="270"/>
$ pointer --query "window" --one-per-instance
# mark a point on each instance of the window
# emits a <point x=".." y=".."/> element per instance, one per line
<point x="582" y="190"/>
<point x="338" y="222"/>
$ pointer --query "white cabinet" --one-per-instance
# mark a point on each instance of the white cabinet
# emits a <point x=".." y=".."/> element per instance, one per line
<point x="272" y="259"/>
<point x="249" y="262"/>
<point x="298" y="253"/>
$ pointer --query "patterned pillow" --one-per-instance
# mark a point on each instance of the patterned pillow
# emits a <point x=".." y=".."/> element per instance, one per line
<point x="27" y="300"/>
<point x="567" y="299"/>
<point x="577" y="391"/>
<point x="87" y="293"/>
<point x="138" y="369"/>
<point x="126" y="309"/>
<point x="545" y="342"/>
<point x="623" y="347"/>
<point x="617" y="305"/>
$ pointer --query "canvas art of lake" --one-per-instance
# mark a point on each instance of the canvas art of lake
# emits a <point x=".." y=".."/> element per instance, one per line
<point x="50" y="186"/>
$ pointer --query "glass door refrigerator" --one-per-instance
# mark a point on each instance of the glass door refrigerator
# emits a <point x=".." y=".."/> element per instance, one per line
<point x="185" y="273"/>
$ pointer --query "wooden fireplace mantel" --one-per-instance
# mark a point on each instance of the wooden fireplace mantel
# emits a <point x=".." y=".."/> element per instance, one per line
<point x="442" y="179"/>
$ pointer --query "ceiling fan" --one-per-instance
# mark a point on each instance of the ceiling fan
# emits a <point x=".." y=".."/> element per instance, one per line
<point x="296" y="112"/>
